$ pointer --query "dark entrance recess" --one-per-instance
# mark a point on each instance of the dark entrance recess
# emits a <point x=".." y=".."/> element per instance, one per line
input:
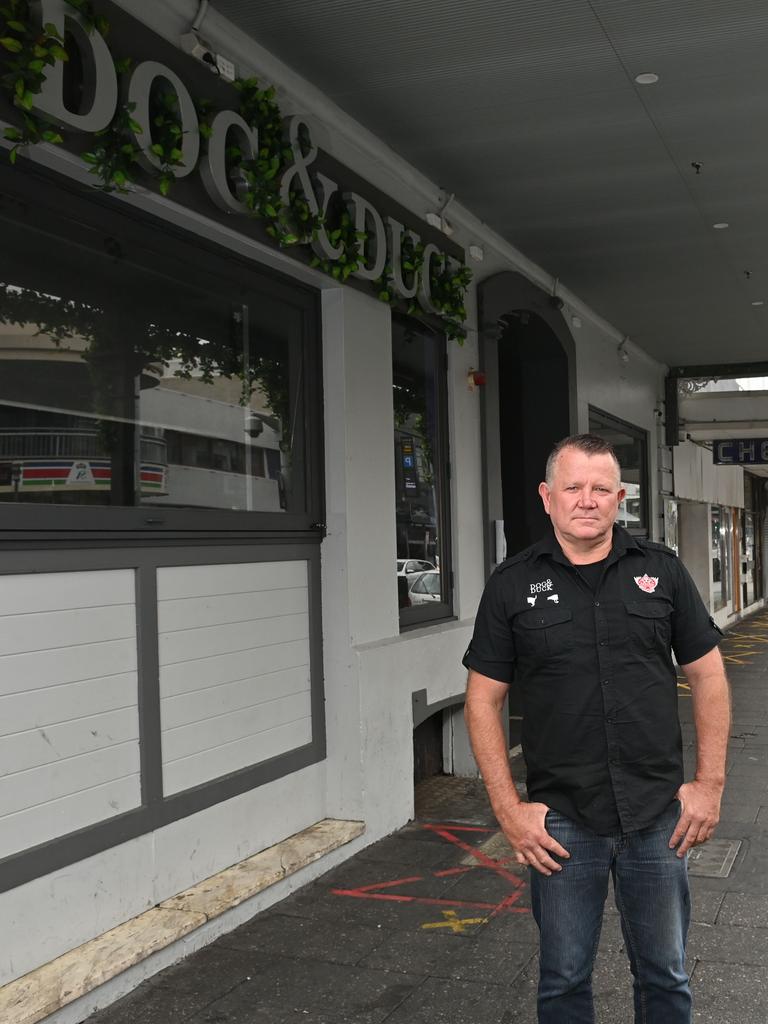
<point x="528" y="354"/>
<point x="428" y="748"/>
<point x="533" y="414"/>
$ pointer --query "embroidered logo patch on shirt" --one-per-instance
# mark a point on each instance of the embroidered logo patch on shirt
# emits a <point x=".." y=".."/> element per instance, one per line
<point x="647" y="583"/>
<point x="540" y="588"/>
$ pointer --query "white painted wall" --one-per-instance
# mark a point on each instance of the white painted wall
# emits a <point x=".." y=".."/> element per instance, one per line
<point x="371" y="670"/>
<point x="697" y="479"/>
<point x="47" y="917"/>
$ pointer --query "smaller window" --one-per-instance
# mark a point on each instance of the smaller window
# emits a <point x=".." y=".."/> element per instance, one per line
<point x="421" y="473"/>
<point x="631" y="446"/>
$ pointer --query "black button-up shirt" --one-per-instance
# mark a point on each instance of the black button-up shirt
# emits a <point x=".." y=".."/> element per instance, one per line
<point x="601" y="733"/>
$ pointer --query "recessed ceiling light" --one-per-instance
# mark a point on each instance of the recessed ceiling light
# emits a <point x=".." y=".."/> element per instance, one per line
<point x="758" y="302"/>
<point x="647" y="78"/>
<point x="720" y="225"/>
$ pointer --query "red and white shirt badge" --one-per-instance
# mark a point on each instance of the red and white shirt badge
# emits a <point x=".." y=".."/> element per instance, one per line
<point x="647" y="583"/>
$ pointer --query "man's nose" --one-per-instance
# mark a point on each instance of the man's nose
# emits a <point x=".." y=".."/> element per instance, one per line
<point x="587" y="499"/>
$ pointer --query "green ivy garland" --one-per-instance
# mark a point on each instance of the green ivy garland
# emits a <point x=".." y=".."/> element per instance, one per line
<point x="114" y="160"/>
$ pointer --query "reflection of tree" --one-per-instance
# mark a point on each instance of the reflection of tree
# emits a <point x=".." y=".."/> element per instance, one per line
<point x="124" y="342"/>
<point x="120" y="343"/>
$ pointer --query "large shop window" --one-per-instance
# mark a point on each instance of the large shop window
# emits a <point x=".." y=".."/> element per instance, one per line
<point x="424" y="576"/>
<point x="631" y="445"/>
<point x="148" y="383"/>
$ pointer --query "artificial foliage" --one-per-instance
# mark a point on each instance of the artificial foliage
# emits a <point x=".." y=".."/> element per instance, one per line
<point x="114" y="160"/>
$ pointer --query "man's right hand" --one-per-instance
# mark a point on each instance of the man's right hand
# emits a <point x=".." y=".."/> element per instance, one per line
<point x="523" y="825"/>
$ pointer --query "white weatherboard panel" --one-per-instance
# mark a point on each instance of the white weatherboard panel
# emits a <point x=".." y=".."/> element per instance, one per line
<point x="234" y="667"/>
<point x="240" y="695"/>
<point x="212" y="764"/>
<point x="38" y="670"/>
<point x="55" y="705"/>
<point x="37" y="824"/>
<point x="187" y="676"/>
<point x="208" y="641"/>
<point x="69" y="731"/>
<point x="243" y="578"/>
<point x="52" y="591"/>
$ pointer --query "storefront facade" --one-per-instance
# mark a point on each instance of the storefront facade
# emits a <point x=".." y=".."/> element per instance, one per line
<point x="250" y="494"/>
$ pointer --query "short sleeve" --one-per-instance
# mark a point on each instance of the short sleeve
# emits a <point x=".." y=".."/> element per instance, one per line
<point x="694" y="632"/>
<point x="492" y="650"/>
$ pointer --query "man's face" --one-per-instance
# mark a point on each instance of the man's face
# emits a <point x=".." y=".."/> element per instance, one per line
<point x="584" y="496"/>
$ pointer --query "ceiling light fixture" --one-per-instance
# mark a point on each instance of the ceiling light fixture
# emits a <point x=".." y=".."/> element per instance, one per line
<point x="721" y="224"/>
<point x="758" y="302"/>
<point x="647" y="78"/>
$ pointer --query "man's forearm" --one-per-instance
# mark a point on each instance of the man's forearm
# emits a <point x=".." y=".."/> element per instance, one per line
<point x="489" y="745"/>
<point x="712" y="717"/>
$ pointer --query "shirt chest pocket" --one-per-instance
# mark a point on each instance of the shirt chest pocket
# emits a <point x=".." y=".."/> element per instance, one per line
<point x="649" y="623"/>
<point x="544" y="632"/>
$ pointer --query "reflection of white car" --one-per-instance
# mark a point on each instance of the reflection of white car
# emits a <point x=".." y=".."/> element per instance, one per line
<point x="412" y="566"/>
<point x="426" y="588"/>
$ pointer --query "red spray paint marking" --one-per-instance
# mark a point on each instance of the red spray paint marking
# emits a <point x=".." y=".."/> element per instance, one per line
<point x="507" y="905"/>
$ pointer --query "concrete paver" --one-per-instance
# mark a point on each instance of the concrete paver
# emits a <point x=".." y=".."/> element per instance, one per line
<point x="433" y="924"/>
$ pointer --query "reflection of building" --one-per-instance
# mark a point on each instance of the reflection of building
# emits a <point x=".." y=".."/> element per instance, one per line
<point x="195" y="442"/>
<point x="416" y="499"/>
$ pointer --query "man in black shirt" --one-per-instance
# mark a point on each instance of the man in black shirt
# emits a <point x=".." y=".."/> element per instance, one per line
<point x="585" y="622"/>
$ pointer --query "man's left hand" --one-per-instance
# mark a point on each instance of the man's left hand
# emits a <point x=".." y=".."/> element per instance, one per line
<point x="699" y="817"/>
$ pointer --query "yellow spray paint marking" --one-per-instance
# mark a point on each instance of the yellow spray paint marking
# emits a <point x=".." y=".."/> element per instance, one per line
<point x="454" y="922"/>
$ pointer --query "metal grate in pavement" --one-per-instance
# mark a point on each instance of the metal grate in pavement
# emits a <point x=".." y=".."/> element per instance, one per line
<point x="714" y="859"/>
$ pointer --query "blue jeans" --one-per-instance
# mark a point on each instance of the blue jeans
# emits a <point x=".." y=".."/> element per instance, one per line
<point x="651" y="888"/>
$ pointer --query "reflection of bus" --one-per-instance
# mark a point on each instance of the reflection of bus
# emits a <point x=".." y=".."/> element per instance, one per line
<point x="69" y="459"/>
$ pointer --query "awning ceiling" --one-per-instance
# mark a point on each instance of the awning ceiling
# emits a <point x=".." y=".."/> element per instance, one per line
<point x="530" y="113"/>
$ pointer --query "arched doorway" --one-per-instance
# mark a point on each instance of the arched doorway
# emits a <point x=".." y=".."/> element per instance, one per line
<point x="529" y="403"/>
<point x="533" y="414"/>
<point x="529" y="358"/>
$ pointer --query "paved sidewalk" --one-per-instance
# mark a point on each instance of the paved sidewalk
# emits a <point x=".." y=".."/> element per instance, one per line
<point x="433" y="924"/>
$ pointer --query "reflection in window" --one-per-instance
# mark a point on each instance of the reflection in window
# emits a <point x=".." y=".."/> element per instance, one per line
<point x="122" y="385"/>
<point x="630" y="444"/>
<point x="721" y="561"/>
<point x="420" y="477"/>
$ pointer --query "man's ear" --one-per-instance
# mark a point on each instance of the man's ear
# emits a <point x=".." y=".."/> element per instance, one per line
<point x="621" y="495"/>
<point x="544" y="495"/>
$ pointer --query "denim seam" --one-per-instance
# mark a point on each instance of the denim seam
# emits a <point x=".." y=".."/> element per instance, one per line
<point x="633" y="948"/>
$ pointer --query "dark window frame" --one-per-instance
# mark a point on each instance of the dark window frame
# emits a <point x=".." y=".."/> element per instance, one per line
<point x="434" y="612"/>
<point x="43" y="198"/>
<point x="640" y="435"/>
<point x="156" y="809"/>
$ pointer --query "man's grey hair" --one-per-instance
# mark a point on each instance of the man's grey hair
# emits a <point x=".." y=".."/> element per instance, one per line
<point x="590" y="444"/>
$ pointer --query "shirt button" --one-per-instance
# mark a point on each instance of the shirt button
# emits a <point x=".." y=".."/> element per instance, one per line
<point x="597" y="604"/>
<point x="603" y="643"/>
<point x="605" y="682"/>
